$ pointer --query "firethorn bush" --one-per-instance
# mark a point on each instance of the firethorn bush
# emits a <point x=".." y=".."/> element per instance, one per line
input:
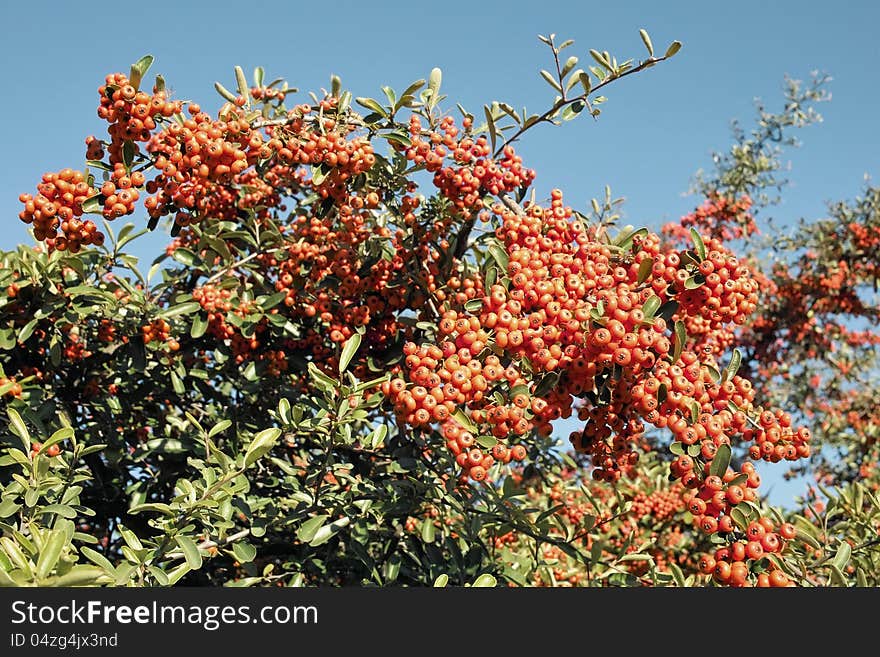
<point x="352" y="363"/>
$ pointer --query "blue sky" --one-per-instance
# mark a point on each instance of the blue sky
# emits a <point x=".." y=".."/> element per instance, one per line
<point x="656" y="129"/>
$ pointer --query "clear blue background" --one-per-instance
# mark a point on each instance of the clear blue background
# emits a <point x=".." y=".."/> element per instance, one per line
<point x="655" y="131"/>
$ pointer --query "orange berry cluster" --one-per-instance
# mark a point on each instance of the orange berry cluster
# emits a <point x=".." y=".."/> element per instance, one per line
<point x="159" y="331"/>
<point x="196" y="158"/>
<point x="58" y="205"/>
<point x="267" y="94"/>
<point x="728" y="294"/>
<point x="217" y="302"/>
<point x="120" y="192"/>
<point x="455" y="373"/>
<point x="474" y="172"/>
<point x="132" y="114"/>
<point x="775" y="439"/>
<point x="722" y="217"/>
<point x="729" y="565"/>
<point x="327" y="146"/>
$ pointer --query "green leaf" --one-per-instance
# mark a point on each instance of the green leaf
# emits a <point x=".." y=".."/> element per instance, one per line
<point x="474" y="305"/>
<point x="260" y="445"/>
<point x="552" y="81"/>
<point x="668" y="309"/>
<point x="93" y="204"/>
<point x="441" y="581"/>
<point x="677" y="575"/>
<point x="27" y="330"/>
<point x="80" y="575"/>
<point x="322" y="381"/>
<point x="680" y="339"/>
<point x="199" y="326"/>
<point x="306" y="531"/>
<point x="157" y="507"/>
<point x="841" y="557"/>
<point x="569" y="112"/>
<point x="733" y="367"/>
<point x="250" y="371"/>
<point x="51" y="552"/>
<point x="662" y="393"/>
<point x="284" y="410"/>
<point x="648" y="45"/>
<point x="377" y="436"/>
<point x="546" y="384"/>
<point x="698" y="244"/>
<point x="186" y="308"/>
<point x="693" y="282"/>
<point x="486" y="442"/>
<point x="19" y="428"/>
<point x="177" y="383"/>
<point x="128" y="151"/>
<point x="651" y="306"/>
<point x="220" y="427"/>
<point x="460" y="417"/>
<point x="223" y="91"/>
<point x="434" y="80"/>
<point x="645" y="267"/>
<point x="806" y="537"/>
<point x="490" y="124"/>
<point x="428" y="530"/>
<point x="186" y="257"/>
<point x="97" y="558"/>
<point x="139" y="70"/>
<point x="326" y="532"/>
<point x="244" y="552"/>
<point x="499" y="255"/>
<point x="8" y="506"/>
<point x="485" y="581"/>
<point x="62" y="510"/>
<point x="673" y="48"/>
<point x="372" y="105"/>
<point x="241" y="82"/>
<point x="739" y="517"/>
<point x="16" y="556"/>
<point x="721" y="460"/>
<point x="258" y="76"/>
<point x="190" y="551"/>
<point x="838" y="577"/>
<point x="714" y="374"/>
<point x="130" y="538"/>
<point x="348" y="351"/>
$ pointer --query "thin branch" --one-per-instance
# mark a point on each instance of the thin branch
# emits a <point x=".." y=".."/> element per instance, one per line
<point x="238" y="263"/>
<point x="547" y="116"/>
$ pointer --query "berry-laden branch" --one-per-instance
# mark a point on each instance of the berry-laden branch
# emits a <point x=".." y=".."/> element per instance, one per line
<point x="310" y="253"/>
